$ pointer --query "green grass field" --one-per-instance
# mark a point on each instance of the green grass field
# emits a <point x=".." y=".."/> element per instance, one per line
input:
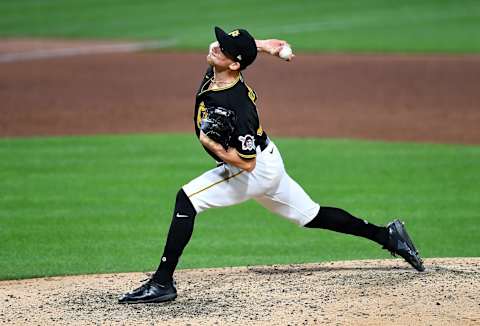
<point x="101" y="204"/>
<point x="349" y="25"/>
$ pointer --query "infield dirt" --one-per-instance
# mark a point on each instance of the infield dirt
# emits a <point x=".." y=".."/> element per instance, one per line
<point x="375" y="292"/>
<point x="387" y="97"/>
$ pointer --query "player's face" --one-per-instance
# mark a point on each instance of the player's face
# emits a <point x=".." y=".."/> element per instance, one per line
<point x="217" y="58"/>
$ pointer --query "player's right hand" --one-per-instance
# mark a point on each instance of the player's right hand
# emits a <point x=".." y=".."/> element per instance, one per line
<point x="272" y="46"/>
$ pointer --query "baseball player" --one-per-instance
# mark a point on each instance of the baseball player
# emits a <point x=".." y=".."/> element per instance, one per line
<point x="249" y="166"/>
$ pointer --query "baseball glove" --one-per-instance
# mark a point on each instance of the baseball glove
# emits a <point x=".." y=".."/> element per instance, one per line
<point x="218" y="124"/>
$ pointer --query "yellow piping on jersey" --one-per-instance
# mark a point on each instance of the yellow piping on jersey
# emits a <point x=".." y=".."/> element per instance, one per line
<point x="246" y="155"/>
<point x="218" y="89"/>
<point x="251" y="94"/>
<point x="216" y="183"/>
<point x="201" y="113"/>
<point x="259" y="130"/>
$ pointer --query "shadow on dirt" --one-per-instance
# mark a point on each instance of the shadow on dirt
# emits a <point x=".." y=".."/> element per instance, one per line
<point x="294" y="269"/>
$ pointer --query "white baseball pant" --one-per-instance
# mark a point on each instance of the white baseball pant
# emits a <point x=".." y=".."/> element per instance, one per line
<point x="269" y="184"/>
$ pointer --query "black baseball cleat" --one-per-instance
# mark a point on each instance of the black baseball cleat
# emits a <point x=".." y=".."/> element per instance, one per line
<point x="399" y="243"/>
<point x="151" y="291"/>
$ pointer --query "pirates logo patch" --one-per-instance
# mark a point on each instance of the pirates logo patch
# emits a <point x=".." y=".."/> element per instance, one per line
<point x="248" y="142"/>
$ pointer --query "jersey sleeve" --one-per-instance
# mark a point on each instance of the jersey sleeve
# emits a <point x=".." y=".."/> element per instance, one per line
<point x="244" y="136"/>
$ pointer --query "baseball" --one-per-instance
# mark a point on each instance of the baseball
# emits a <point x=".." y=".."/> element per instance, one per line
<point x="285" y="52"/>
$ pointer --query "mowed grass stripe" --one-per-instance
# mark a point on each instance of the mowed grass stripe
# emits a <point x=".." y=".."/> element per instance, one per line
<point x="103" y="203"/>
<point x="369" y="25"/>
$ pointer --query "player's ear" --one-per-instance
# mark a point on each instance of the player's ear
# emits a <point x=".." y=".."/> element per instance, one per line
<point x="234" y="66"/>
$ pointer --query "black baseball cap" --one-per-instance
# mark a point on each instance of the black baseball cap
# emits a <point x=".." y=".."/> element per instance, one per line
<point x="238" y="45"/>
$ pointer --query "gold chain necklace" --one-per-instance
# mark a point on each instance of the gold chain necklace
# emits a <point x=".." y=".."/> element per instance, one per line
<point x="221" y="82"/>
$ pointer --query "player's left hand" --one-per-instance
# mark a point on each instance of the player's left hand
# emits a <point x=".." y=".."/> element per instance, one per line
<point x="219" y="124"/>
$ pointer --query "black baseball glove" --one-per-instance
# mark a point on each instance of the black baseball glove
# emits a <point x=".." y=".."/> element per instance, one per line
<point x="218" y="124"/>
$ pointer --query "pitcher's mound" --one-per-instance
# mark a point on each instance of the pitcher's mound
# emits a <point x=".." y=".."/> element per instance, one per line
<point x="352" y="292"/>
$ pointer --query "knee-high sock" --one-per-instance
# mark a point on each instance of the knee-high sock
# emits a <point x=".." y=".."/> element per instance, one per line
<point x="180" y="232"/>
<point x="336" y="219"/>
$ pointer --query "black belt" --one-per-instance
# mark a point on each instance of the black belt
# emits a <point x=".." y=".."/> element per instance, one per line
<point x="265" y="145"/>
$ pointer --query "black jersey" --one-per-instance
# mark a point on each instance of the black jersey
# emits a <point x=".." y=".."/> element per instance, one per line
<point x="240" y="98"/>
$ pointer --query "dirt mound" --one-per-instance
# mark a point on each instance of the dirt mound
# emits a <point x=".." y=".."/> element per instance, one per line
<point x="352" y="292"/>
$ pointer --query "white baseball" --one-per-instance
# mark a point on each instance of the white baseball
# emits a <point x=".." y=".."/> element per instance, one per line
<point x="285" y="52"/>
